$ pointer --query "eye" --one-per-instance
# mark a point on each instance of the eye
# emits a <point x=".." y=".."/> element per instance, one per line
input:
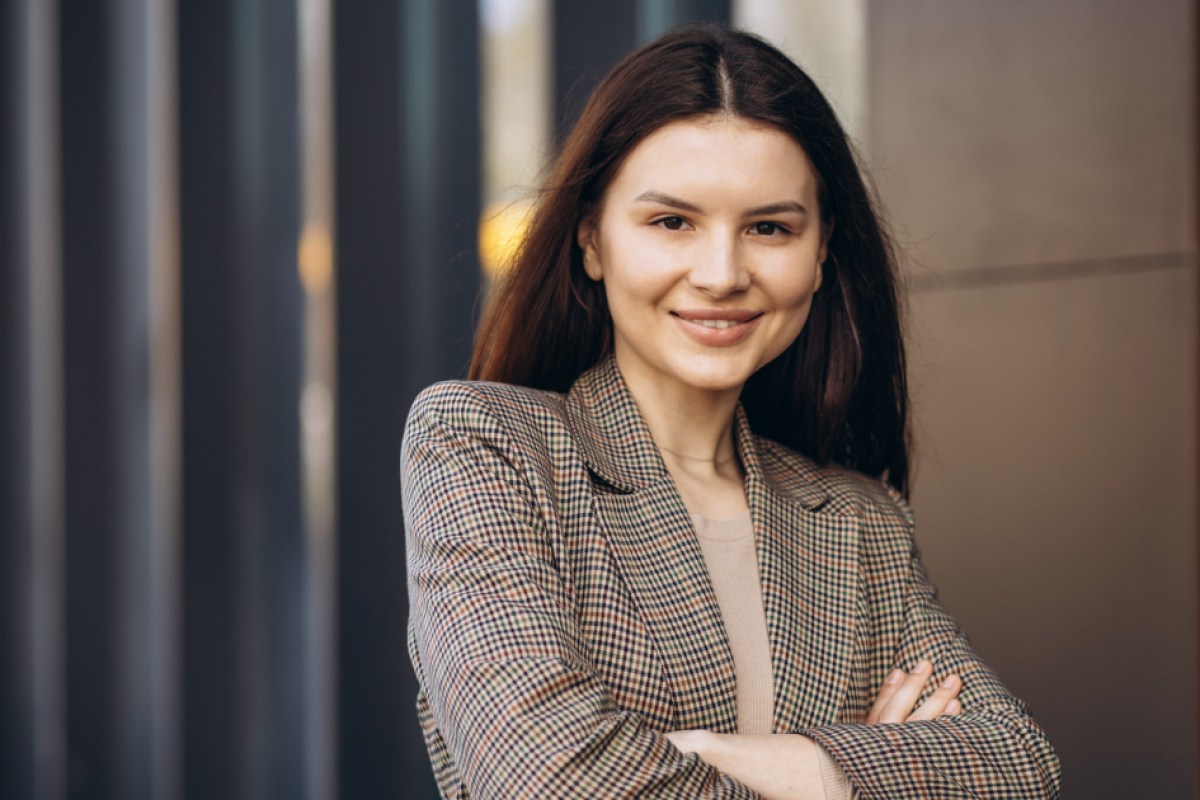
<point x="767" y="228"/>
<point x="672" y="223"/>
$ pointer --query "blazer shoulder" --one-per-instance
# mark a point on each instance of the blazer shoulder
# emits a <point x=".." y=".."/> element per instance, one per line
<point x="846" y="490"/>
<point x="482" y="407"/>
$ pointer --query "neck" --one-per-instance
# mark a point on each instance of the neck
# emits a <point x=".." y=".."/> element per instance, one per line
<point x="693" y="425"/>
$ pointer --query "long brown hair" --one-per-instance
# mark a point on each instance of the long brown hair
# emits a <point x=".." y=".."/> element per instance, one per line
<point x="839" y="392"/>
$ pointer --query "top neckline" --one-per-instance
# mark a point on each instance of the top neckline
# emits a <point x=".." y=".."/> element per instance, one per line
<point x="725" y="530"/>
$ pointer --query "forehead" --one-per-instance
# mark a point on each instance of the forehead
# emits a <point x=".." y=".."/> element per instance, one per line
<point x="726" y="159"/>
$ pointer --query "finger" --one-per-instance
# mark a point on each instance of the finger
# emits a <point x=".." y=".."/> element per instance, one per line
<point x="955" y="707"/>
<point x="938" y="702"/>
<point x="885" y="694"/>
<point x="905" y="697"/>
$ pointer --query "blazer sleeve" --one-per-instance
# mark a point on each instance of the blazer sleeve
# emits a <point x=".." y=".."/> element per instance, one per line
<point x="992" y="750"/>
<point x="503" y="665"/>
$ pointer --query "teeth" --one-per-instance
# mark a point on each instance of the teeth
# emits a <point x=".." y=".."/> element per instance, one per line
<point x="716" y="323"/>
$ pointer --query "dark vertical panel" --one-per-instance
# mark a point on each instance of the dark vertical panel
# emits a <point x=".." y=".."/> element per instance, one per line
<point x="456" y="149"/>
<point x="270" y="319"/>
<point x="267" y="370"/>
<point x="31" y="688"/>
<point x="407" y="95"/>
<point x="589" y="40"/>
<point x="380" y="746"/>
<point x="16" y="717"/>
<point x="118" y="280"/>
<point x="656" y="16"/>
<point x="16" y="747"/>
<point x="245" y="578"/>
<point x="215" y="688"/>
<point x="709" y="10"/>
<point x="441" y="173"/>
<point x="88" y="212"/>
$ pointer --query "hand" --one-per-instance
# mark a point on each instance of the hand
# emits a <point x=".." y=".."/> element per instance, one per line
<point x="777" y="766"/>
<point x="785" y="766"/>
<point x="900" y="692"/>
<point x="691" y="741"/>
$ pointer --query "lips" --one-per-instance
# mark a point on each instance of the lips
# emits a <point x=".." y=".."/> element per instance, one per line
<point x="717" y="327"/>
<point x="730" y="314"/>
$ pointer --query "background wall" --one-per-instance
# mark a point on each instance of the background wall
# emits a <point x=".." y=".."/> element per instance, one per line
<point x="1039" y="161"/>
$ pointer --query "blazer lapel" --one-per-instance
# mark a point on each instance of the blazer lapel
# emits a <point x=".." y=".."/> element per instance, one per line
<point x="650" y="535"/>
<point x="807" y="557"/>
<point x="807" y="561"/>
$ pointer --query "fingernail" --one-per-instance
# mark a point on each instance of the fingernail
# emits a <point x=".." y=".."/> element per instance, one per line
<point x="950" y="679"/>
<point x="896" y="675"/>
<point x="923" y="666"/>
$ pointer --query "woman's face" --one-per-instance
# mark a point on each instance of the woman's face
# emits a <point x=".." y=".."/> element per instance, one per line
<point x="709" y="245"/>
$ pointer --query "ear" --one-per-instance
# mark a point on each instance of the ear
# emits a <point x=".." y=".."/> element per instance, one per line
<point x="586" y="236"/>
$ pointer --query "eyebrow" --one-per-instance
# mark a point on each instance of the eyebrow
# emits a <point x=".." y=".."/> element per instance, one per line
<point x="781" y="207"/>
<point x="667" y="200"/>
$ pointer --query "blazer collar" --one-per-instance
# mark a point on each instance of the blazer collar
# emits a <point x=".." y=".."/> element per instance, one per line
<point x="612" y="435"/>
<point x="616" y="444"/>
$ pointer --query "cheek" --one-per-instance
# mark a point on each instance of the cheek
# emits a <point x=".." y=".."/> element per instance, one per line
<point x="792" y="288"/>
<point x="793" y="300"/>
<point x="801" y="301"/>
<point x="634" y="284"/>
<point x="793" y="321"/>
<point x="627" y="303"/>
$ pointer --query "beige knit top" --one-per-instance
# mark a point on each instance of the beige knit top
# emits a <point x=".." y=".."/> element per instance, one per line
<point x="732" y="561"/>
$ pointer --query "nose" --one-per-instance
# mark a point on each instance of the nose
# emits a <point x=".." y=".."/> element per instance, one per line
<point x="719" y="268"/>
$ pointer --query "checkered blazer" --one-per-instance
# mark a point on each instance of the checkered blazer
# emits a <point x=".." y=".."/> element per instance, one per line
<point x="562" y="617"/>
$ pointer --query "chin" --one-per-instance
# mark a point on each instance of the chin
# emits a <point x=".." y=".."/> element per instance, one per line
<point x="716" y="376"/>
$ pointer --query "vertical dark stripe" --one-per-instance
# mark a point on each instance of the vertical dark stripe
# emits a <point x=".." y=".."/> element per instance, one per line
<point x="118" y="273"/>
<point x="216" y="699"/>
<point x="88" y="216"/>
<point x="246" y="592"/>
<point x="31" y="688"/>
<point x="657" y="16"/>
<point x="408" y="160"/>
<point x="717" y="11"/>
<point x="380" y="748"/>
<point x="270" y="319"/>
<point x="456" y="152"/>
<point x="16" y="717"/>
<point x="589" y="40"/>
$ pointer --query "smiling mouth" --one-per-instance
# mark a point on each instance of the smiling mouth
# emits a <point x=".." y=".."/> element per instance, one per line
<point x="718" y="324"/>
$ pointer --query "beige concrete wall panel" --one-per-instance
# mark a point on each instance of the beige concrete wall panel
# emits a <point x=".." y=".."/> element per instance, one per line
<point x="1055" y="507"/>
<point x="1033" y="130"/>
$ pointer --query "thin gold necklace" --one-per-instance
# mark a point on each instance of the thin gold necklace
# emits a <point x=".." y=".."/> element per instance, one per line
<point x="693" y="458"/>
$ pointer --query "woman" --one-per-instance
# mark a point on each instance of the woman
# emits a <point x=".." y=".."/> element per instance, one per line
<point x="658" y="546"/>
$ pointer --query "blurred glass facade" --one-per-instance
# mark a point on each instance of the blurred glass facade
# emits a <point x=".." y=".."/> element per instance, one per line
<point x="238" y="236"/>
<point x="516" y="120"/>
